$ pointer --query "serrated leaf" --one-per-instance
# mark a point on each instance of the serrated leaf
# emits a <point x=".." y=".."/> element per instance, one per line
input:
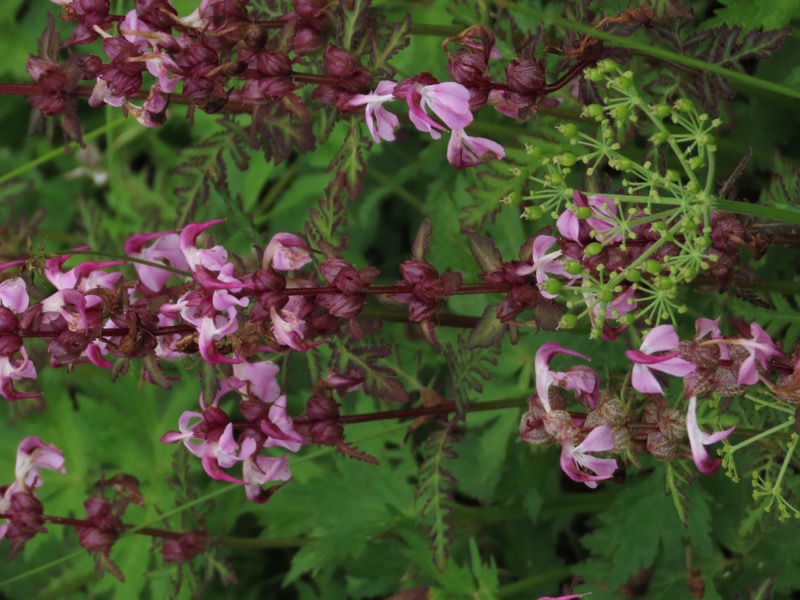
<point x="756" y="15"/>
<point x="488" y="331"/>
<point x="387" y="45"/>
<point x="485" y="252"/>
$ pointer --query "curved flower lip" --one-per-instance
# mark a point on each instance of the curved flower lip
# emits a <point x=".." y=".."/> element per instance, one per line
<point x="599" y="439"/>
<point x="544" y="377"/>
<point x="640" y="358"/>
<point x="660" y="339"/>
<point x="698" y="439"/>
<point x="380" y="122"/>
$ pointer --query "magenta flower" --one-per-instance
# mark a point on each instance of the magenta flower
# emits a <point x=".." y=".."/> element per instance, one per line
<point x="380" y="122"/>
<point x="543" y="263"/>
<point x="660" y="339"/>
<point x="698" y="439"/>
<point x="285" y="252"/>
<point x="577" y="460"/>
<point x="761" y="349"/>
<point x="449" y="101"/>
<point x="546" y="378"/>
<point x="467" y="151"/>
<point x="33" y="455"/>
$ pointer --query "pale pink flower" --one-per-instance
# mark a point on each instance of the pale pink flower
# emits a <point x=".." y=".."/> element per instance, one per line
<point x="660" y="339"/>
<point x="165" y="249"/>
<point x="33" y="455"/>
<point x="380" y="122"/>
<point x="761" y="349"/>
<point x="543" y="263"/>
<point x="698" y="439"/>
<point x="14" y="295"/>
<point x="258" y="380"/>
<point x="600" y="439"/>
<point x="285" y="252"/>
<point x="704" y="327"/>
<point x="258" y="470"/>
<point x="546" y="378"/>
<point x="467" y="151"/>
<point x="449" y="101"/>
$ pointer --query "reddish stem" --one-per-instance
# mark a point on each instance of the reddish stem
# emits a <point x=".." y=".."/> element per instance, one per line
<point x="152" y="532"/>
<point x="402" y="288"/>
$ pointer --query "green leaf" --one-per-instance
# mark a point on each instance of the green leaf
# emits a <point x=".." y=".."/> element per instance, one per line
<point x="755" y="15"/>
<point x="488" y="331"/>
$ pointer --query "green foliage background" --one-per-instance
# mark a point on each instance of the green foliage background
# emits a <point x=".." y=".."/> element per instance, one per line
<point x="342" y="528"/>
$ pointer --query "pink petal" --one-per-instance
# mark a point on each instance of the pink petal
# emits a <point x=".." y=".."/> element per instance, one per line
<point x="698" y="440"/>
<point x="660" y="339"/>
<point x="644" y="381"/>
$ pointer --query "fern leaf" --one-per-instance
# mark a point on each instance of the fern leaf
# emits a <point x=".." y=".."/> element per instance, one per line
<point x="468" y="368"/>
<point x="386" y="44"/>
<point x="724" y="46"/>
<point x="205" y="166"/>
<point x="435" y="491"/>
<point x="328" y="219"/>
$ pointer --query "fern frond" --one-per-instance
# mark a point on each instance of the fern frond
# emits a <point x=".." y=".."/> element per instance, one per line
<point x="435" y="491"/>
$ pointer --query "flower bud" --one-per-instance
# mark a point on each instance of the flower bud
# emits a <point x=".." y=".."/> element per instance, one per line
<point x="184" y="548"/>
<point x="26" y="517"/>
<point x="525" y="76"/>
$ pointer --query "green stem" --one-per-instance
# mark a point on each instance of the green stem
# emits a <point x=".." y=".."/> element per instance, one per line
<point x="55" y="153"/>
<point x="140" y="261"/>
<point x="771" y="285"/>
<point x="757" y="210"/>
<point x="541" y="579"/>
<point x="786" y="461"/>
<point x="663" y="54"/>
<point x="256" y="543"/>
<point x="759" y="436"/>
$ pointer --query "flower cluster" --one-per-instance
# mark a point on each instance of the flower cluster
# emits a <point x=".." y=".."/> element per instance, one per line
<point x="727" y="367"/>
<point x="209" y="434"/>
<point x="19" y="504"/>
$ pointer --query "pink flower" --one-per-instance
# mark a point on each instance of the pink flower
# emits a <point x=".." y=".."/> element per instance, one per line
<point x="568" y="597"/>
<point x="13" y="370"/>
<point x="466" y="151"/>
<point x="546" y="378"/>
<point x="380" y="122"/>
<point x="165" y="249"/>
<point x="33" y="455"/>
<point x="761" y="349"/>
<point x="449" y="101"/>
<point x="543" y="263"/>
<point x="285" y="252"/>
<point x="660" y="339"/>
<point x="703" y="327"/>
<point x="258" y="380"/>
<point x="14" y="295"/>
<point x="258" y="470"/>
<point x="600" y="439"/>
<point x="603" y="217"/>
<point x="698" y="439"/>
